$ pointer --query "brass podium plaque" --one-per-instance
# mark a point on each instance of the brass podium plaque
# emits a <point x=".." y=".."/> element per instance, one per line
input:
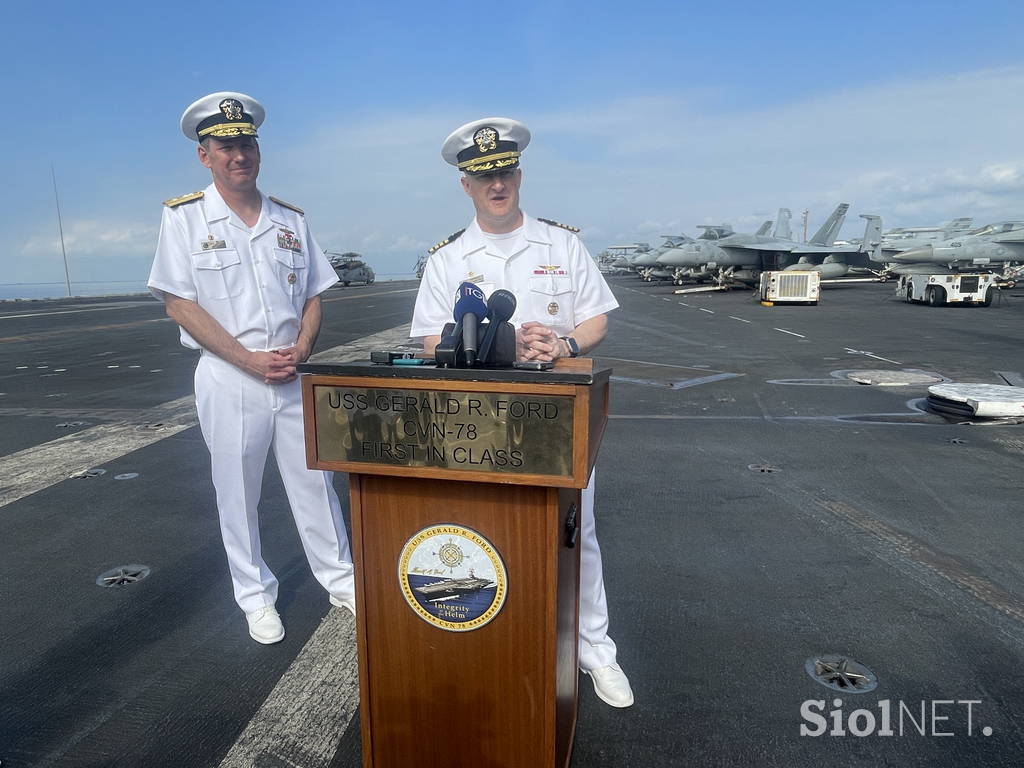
<point x="477" y="431"/>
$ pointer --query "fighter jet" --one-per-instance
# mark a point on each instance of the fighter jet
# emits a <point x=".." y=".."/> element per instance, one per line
<point x="722" y="254"/>
<point x="996" y="243"/>
<point x="645" y="262"/>
<point x="904" y="238"/>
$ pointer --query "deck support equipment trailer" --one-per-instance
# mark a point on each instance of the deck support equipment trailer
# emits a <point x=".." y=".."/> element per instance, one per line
<point x="938" y="290"/>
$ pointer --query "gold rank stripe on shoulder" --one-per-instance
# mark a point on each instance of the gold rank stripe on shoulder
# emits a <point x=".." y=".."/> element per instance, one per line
<point x="174" y="202"/>
<point x="559" y="224"/>
<point x="288" y="206"/>
<point x="450" y="239"/>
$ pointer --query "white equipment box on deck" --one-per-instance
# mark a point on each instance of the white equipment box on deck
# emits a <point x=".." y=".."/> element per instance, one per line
<point x="791" y="286"/>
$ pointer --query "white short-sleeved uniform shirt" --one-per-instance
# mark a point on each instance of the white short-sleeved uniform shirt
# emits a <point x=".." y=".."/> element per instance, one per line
<point x="554" y="279"/>
<point x="253" y="282"/>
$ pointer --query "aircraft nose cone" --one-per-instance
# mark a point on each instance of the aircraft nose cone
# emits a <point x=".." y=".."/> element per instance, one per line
<point x="673" y="258"/>
<point x="918" y="254"/>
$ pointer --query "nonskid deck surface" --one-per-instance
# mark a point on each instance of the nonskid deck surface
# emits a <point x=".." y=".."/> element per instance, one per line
<point x="758" y="509"/>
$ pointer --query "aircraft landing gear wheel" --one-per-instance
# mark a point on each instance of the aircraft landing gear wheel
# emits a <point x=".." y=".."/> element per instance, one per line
<point x="1011" y="284"/>
<point x="933" y="296"/>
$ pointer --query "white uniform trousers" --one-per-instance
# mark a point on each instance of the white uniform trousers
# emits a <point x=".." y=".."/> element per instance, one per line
<point x="596" y="649"/>
<point x="241" y="419"/>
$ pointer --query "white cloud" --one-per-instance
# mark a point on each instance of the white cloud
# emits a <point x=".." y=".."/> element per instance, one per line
<point x="92" y="238"/>
<point x="628" y="170"/>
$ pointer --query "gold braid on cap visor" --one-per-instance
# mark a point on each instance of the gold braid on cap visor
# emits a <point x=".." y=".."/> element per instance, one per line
<point x="227" y="130"/>
<point x="489" y="163"/>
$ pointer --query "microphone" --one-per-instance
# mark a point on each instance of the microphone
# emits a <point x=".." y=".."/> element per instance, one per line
<point x="469" y="308"/>
<point x="501" y="307"/>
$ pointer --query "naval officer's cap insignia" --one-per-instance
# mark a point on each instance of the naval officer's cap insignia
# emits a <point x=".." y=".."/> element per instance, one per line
<point x="450" y="239"/>
<point x="488" y="145"/>
<point x="486" y="139"/>
<point x="232" y="109"/>
<point x="174" y="202"/>
<point x="222" y="115"/>
<point x="559" y="224"/>
<point x="452" y="577"/>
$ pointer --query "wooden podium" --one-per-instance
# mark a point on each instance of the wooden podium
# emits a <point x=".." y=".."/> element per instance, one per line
<point x="465" y="492"/>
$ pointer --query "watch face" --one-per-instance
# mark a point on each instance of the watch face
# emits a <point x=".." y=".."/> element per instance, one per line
<point x="574" y="348"/>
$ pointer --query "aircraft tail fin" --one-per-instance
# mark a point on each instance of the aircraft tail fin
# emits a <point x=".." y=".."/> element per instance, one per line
<point x="956" y="225"/>
<point x="782" y="229"/>
<point x="872" y="242"/>
<point x="826" y="236"/>
<point x="765" y="228"/>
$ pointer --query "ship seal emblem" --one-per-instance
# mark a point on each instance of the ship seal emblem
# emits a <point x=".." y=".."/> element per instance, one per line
<point x="452" y="577"/>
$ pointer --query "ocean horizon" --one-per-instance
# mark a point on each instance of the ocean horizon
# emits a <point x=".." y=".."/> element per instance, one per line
<point x="80" y="289"/>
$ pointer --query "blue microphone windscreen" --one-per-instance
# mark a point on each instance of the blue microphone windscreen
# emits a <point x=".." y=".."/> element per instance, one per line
<point x="470" y="300"/>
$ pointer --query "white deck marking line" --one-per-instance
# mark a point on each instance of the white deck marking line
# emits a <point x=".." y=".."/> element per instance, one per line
<point x="709" y="311"/>
<point x="302" y="720"/>
<point x="126" y="305"/>
<point x="325" y="299"/>
<point x="34" y="469"/>
<point x="41" y="466"/>
<point x="732" y="317"/>
<point x="871" y="354"/>
<point x="783" y="330"/>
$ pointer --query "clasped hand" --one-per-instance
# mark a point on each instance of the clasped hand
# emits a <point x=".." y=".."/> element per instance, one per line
<point x="535" y="341"/>
<point x="276" y="366"/>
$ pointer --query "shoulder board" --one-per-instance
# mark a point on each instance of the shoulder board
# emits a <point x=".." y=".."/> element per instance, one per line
<point x="288" y="205"/>
<point x="559" y="224"/>
<point x="449" y="239"/>
<point x="174" y="202"/>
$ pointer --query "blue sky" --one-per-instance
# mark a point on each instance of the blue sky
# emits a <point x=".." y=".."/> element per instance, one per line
<point x="648" y="118"/>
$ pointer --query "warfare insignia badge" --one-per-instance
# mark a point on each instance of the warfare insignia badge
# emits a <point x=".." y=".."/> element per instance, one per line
<point x="452" y="577"/>
<point x="232" y="109"/>
<point x="553" y="308"/>
<point x="288" y="241"/>
<point x="486" y="139"/>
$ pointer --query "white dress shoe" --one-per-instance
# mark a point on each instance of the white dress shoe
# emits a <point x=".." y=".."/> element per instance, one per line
<point x="611" y="685"/>
<point x="265" y="625"/>
<point x="349" y="603"/>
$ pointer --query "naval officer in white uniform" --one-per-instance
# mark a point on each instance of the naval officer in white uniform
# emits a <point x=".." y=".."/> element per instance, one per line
<point x="562" y="301"/>
<point x="242" y="275"/>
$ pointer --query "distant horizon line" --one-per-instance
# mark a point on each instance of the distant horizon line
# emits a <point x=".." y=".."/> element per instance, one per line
<point x="401" y="275"/>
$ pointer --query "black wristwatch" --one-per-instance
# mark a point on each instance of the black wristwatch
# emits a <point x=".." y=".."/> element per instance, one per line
<point x="574" y="348"/>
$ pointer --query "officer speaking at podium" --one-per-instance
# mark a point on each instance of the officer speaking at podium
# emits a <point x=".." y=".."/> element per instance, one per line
<point x="561" y="305"/>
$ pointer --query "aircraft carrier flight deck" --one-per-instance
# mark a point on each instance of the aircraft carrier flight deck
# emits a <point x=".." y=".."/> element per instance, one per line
<point x="802" y="569"/>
